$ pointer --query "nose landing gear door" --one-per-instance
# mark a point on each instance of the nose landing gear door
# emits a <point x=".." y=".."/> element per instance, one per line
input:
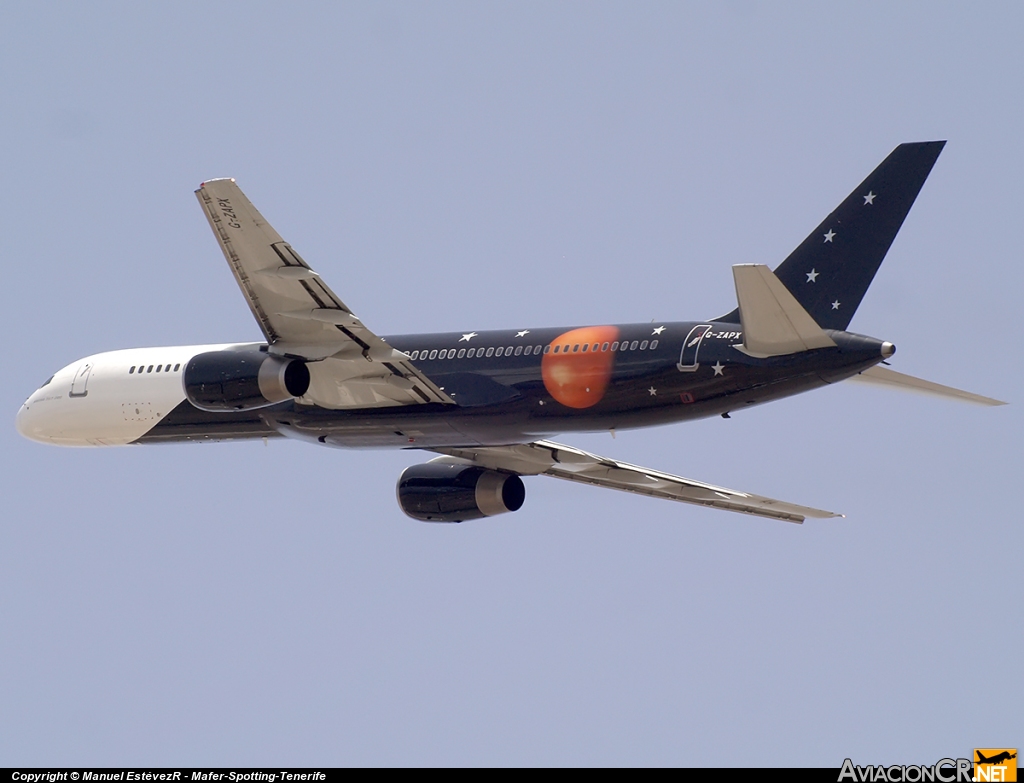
<point x="78" y="385"/>
<point x="691" y="345"/>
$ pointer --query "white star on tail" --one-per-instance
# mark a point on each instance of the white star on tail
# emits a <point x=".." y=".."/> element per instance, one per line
<point x="829" y="235"/>
<point x="869" y="198"/>
<point x="468" y="337"/>
<point x="812" y="276"/>
<point x="659" y="330"/>
<point x="718" y="367"/>
<point x="523" y="333"/>
<point x="835" y="305"/>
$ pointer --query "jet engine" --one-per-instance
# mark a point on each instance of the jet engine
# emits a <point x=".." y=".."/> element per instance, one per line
<point x="454" y="492"/>
<point x="242" y="380"/>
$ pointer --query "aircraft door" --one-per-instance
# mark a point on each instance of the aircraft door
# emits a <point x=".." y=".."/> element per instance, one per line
<point x="78" y="385"/>
<point x="691" y="345"/>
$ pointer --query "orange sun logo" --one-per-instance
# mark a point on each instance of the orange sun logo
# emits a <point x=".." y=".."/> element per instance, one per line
<point x="577" y="369"/>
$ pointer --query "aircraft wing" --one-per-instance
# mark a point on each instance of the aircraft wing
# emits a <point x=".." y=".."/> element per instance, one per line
<point x="301" y="317"/>
<point x="544" y="457"/>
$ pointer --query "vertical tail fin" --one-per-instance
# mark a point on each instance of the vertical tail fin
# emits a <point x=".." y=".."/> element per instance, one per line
<point x="829" y="273"/>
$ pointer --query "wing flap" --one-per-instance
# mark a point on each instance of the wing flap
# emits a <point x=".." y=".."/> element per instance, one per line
<point x="566" y="462"/>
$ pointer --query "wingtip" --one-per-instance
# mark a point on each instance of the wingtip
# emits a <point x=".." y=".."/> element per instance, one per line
<point x="215" y="179"/>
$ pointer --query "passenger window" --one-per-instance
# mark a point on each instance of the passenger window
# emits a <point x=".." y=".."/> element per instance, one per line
<point x="604" y="347"/>
<point x="633" y="345"/>
<point x="547" y="348"/>
<point x="519" y="350"/>
<point x="413" y="355"/>
<point x="499" y="351"/>
<point x="576" y="348"/>
<point x="462" y="352"/>
<point x="654" y="344"/>
<point x="615" y="346"/>
<point x="490" y="352"/>
<point x="508" y="350"/>
<point x="176" y="367"/>
<point x="594" y="347"/>
<point x="158" y="367"/>
<point x="433" y="354"/>
<point x="131" y="370"/>
<point x="585" y="347"/>
<point x="643" y="346"/>
<point x="150" y="368"/>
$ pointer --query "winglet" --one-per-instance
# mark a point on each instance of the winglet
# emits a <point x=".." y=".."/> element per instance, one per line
<point x="774" y="323"/>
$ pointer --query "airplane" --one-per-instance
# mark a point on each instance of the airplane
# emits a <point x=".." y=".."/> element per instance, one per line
<point x="996" y="759"/>
<point x="486" y="402"/>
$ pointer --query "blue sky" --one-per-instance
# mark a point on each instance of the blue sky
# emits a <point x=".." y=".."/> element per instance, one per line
<point x="508" y="165"/>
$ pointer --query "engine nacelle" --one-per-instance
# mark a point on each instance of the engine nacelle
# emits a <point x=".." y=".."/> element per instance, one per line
<point x="242" y="380"/>
<point x="452" y="492"/>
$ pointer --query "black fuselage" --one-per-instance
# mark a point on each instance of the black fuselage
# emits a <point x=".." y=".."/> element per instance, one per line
<point x="520" y="386"/>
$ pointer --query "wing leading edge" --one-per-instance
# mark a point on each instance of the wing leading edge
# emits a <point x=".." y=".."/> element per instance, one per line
<point x="301" y="317"/>
<point x="544" y="457"/>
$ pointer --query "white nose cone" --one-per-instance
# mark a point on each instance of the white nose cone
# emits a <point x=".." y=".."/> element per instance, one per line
<point x="27" y="424"/>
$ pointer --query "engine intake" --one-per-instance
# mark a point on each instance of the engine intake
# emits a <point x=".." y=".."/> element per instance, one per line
<point x="242" y="380"/>
<point x="453" y="492"/>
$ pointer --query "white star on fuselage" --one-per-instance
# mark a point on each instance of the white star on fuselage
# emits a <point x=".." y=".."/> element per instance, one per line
<point x="468" y="337"/>
<point x="659" y="330"/>
<point x="869" y="198"/>
<point x="835" y="305"/>
<point x="718" y="367"/>
<point x="653" y="392"/>
<point x="812" y="276"/>
<point x="523" y="333"/>
<point x="829" y="235"/>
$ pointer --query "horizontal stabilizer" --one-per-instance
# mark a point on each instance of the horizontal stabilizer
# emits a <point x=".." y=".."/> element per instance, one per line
<point x="774" y="323"/>
<point x="883" y="376"/>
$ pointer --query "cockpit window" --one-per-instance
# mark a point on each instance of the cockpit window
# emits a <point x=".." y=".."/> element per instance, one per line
<point x="47" y="381"/>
